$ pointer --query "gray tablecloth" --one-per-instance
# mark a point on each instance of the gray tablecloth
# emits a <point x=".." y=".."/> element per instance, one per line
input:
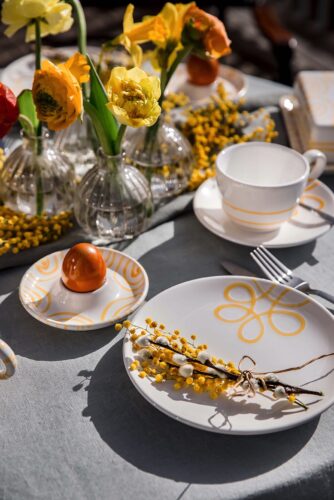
<point x="73" y="426"/>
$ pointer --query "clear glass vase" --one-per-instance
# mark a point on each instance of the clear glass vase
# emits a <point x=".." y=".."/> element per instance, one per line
<point x="78" y="143"/>
<point x="113" y="200"/>
<point x="164" y="156"/>
<point x="36" y="179"/>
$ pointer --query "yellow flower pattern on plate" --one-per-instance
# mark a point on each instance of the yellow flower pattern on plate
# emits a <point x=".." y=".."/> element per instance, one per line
<point x="249" y="312"/>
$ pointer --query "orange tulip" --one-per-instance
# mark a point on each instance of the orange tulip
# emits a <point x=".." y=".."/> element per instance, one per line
<point x="213" y="36"/>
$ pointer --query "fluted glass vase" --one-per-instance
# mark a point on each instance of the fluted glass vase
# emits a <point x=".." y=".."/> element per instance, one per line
<point x="36" y="179"/>
<point x="113" y="200"/>
<point x="78" y="143"/>
<point x="164" y="156"/>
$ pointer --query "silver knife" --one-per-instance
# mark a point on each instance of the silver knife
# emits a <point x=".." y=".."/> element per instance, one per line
<point x="235" y="269"/>
<point x="327" y="217"/>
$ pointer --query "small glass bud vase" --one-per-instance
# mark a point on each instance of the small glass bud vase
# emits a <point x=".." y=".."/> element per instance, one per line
<point x="113" y="200"/>
<point x="164" y="156"/>
<point x="78" y="143"/>
<point x="36" y="178"/>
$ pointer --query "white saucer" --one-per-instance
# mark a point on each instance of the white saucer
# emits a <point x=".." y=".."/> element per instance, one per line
<point x="278" y="326"/>
<point x="44" y="296"/>
<point x="233" y="80"/>
<point x="305" y="226"/>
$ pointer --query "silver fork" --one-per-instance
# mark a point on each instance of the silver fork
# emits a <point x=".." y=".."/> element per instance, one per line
<point x="276" y="271"/>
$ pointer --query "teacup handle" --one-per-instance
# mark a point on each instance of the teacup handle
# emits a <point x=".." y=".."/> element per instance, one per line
<point x="317" y="161"/>
<point x="8" y="359"/>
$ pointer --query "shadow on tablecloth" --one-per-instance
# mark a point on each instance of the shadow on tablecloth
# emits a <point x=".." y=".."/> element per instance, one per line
<point x="154" y="443"/>
<point x="192" y="253"/>
<point x="150" y="440"/>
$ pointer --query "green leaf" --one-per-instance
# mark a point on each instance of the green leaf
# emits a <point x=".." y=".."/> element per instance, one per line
<point x="98" y="100"/>
<point x="28" y="116"/>
<point x="99" y="129"/>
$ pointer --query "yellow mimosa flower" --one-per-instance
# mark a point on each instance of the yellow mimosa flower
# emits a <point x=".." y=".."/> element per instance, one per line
<point x="54" y="16"/>
<point x="133" y="97"/>
<point x="57" y="93"/>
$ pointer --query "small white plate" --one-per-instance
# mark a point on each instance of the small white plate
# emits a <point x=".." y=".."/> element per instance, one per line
<point x="277" y="326"/>
<point x="44" y="296"/>
<point x="305" y="226"/>
<point x="233" y="80"/>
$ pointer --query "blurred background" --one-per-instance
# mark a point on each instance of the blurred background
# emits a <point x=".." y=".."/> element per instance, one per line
<point x="273" y="39"/>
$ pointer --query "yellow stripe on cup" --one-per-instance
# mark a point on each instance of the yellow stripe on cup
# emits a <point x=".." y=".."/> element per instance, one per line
<point x="253" y="223"/>
<point x="253" y="212"/>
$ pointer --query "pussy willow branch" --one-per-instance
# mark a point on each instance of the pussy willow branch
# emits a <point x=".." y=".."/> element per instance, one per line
<point x="270" y="385"/>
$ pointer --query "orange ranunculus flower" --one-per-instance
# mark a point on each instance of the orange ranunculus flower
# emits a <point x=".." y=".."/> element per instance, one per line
<point x="9" y="110"/>
<point x="57" y="93"/>
<point x="213" y="34"/>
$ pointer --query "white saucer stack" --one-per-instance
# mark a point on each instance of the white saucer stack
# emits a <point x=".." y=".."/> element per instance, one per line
<point x="315" y="120"/>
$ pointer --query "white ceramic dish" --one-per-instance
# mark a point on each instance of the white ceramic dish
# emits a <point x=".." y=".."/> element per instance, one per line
<point x="290" y="108"/>
<point x="233" y="80"/>
<point x="19" y="74"/>
<point x="44" y="296"/>
<point x="303" y="227"/>
<point x="278" y="326"/>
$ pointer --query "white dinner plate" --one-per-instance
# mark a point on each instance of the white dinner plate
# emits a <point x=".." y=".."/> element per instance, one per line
<point x="303" y="227"/>
<point x="277" y="326"/>
<point x="233" y="80"/>
<point x="44" y="296"/>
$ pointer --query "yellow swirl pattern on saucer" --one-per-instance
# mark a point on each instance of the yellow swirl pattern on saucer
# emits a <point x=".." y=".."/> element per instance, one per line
<point x="42" y="295"/>
<point x="248" y="313"/>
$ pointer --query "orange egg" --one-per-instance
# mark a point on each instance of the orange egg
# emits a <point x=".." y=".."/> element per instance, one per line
<point x="84" y="269"/>
<point x="202" y="71"/>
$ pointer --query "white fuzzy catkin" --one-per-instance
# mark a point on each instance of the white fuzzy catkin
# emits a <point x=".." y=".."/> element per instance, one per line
<point x="186" y="370"/>
<point x="179" y="359"/>
<point x="143" y="341"/>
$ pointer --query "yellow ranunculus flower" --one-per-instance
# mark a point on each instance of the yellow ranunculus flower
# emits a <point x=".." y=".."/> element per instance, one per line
<point x="133" y="97"/>
<point x="54" y="16"/>
<point x="57" y="93"/>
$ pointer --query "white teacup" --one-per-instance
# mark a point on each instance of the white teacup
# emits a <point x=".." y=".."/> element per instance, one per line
<point x="261" y="183"/>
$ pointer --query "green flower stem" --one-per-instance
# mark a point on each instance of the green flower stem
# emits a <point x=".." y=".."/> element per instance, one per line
<point x="82" y="34"/>
<point x="120" y="135"/>
<point x="38" y="44"/>
<point x="165" y="76"/>
<point x="182" y="54"/>
<point x="39" y="184"/>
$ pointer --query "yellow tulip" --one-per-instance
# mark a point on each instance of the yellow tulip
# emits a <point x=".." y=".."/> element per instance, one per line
<point x="133" y="97"/>
<point x="54" y="15"/>
<point x="164" y="30"/>
<point x="133" y="34"/>
<point x="173" y="18"/>
<point x="57" y="93"/>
